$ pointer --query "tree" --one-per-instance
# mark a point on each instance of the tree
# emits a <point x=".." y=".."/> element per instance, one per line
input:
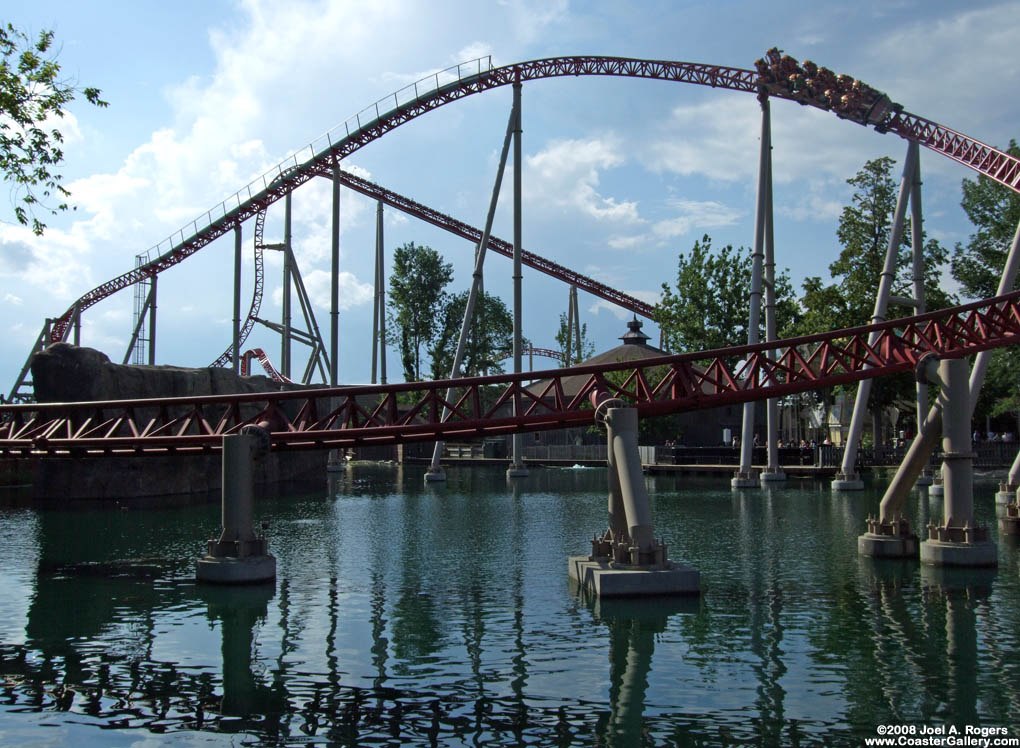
<point x="566" y="339"/>
<point x="417" y="297"/>
<point x="709" y="308"/>
<point x="865" y="227"/>
<point x="490" y="340"/>
<point x="32" y="94"/>
<point x="994" y="210"/>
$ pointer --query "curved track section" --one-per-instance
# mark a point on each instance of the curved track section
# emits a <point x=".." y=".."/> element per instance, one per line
<point x="258" y="195"/>
<point x="263" y="358"/>
<point x="256" y="297"/>
<point x="468" y="408"/>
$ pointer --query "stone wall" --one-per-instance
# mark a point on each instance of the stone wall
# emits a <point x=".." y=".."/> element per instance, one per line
<point x="67" y="373"/>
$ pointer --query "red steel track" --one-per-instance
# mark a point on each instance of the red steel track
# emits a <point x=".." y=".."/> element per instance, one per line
<point x="349" y="416"/>
<point x="984" y="159"/>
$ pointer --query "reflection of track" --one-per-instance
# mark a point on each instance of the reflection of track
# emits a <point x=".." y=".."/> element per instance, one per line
<point x="423" y="411"/>
<point x="257" y="196"/>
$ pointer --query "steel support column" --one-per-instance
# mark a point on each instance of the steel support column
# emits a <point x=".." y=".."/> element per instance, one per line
<point x="380" y="262"/>
<point x="773" y="473"/>
<point x="152" y="323"/>
<point x="919" y="306"/>
<point x="847" y="478"/>
<point x="377" y="321"/>
<point x="235" y="350"/>
<point x="517" y="468"/>
<point x="334" y="294"/>
<point x="744" y="477"/>
<point x="285" y="321"/>
<point x="435" y="471"/>
<point x="77" y="325"/>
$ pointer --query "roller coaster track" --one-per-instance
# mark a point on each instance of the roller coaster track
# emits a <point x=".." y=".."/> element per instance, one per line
<point x="412" y="102"/>
<point x="423" y="411"/>
<point x="443" y="221"/>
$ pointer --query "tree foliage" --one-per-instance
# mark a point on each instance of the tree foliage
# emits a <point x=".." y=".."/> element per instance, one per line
<point x="865" y="228"/>
<point x="709" y="306"/>
<point x="32" y="95"/>
<point x="416" y="300"/>
<point x="995" y="212"/>
<point x="566" y="339"/>
<point x="489" y="342"/>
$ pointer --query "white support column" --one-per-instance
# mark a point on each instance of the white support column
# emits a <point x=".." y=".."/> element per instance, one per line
<point x="958" y="541"/>
<point x="517" y="469"/>
<point x="377" y="320"/>
<point x="285" y="321"/>
<point x="917" y="256"/>
<point x="334" y="297"/>
<point x="773" y="473"/>
<point x="235" y="349"/>
<point x="152" y="321"/>
<point x="847" y="478"/>
<point x="744" y="477"/>
<point x="435" y="472"/>
<point x="238" y="556"/>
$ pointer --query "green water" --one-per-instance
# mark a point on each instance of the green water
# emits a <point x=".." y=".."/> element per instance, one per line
<point x="413" y="615"/>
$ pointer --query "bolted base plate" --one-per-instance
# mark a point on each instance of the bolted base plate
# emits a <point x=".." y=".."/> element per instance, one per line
<point x="601" y="578"/>
<point x="517" y="471"/>
<point x="946" y="553"/>
<point x="435" y="476"/>
<point x="936" y="489"/>
<point x="924" y="480"/>
<point x="230" y="570"/>
<point x="1005" y="497"/>
<point x="887" y="546"/>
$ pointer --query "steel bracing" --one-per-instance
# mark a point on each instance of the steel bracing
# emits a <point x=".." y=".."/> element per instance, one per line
<point x="476" y="77"/>
<point x="466" y="408"/>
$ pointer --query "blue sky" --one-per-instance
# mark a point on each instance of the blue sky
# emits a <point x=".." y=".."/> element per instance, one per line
<point x="620" y="176"/>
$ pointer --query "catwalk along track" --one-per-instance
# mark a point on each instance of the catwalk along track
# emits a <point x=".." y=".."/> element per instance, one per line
<point x="479" y="406"/>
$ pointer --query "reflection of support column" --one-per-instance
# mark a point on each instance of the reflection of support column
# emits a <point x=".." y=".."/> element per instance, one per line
<point x="773" y="472"/>
<point x="517" y="469"/>
<point x="744" y="477"/>
<point x="847" y="478"/>
<point x="239" y="556"/>
<point x="235" y="348"/>
<point x="630" y="562"/>
<point x="435" y="472"/>
<point x="633" y="627"/>
<point x="239" y="609"/>
<point x="334" y="286"/>
<point x="958" y="542"/>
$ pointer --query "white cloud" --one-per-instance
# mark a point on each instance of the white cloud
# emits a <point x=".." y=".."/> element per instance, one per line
<point x="649" y="297"/>
<point x="12" y="299"/>
<point x="695" y="214"/>
<point x="566" y="174"/>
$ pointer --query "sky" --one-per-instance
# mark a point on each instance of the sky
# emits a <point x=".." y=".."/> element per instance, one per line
<point x="620" y="176"/>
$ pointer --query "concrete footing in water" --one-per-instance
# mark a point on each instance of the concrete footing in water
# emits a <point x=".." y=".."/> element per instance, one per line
<point x="847" y="482"/>
<point x="607" y="579"/>
<point x="238" y="556"/>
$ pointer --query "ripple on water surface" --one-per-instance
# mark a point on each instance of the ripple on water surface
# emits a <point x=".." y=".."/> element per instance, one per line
<point x="414" y="615"/>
